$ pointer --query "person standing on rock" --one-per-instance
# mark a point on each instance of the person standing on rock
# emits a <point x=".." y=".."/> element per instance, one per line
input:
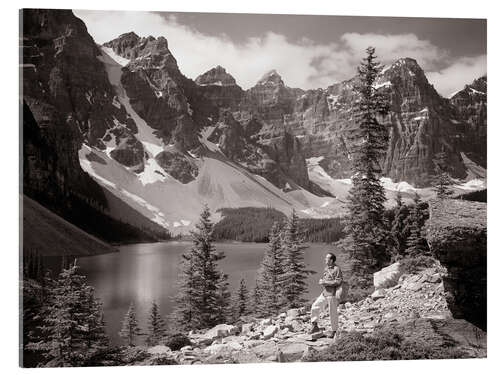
<point x="331" y="282"/>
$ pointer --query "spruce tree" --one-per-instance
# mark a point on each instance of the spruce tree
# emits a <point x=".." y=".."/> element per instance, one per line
<point x="223" y="311"/>
<point x="185" y="312"/>
<point x="399" y="232"/>
<point x="241" y="301"/>
<point x="71" y="324"/>
<point x="365" y="224"/>
<point x="416" y="243"/>
<point x="257" y="296"/>
<point x="130" y="326"/>
<point x="272" y="271"/>
<point x="203" y="296"/>
<point x="295" y="272"/>
<point x="442" y="179"/>
<point x="156" y="326"/>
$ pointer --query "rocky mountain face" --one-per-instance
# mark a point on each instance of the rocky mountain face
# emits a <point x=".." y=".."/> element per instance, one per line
<point x="67" y="100"/>
<point x="125" y="112"/>
<point x="471" y="105"/>
<point x="421" y="122"/>
<point x="178" y="109"/>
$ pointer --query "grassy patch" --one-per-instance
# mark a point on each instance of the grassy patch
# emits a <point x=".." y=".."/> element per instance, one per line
<point x="384" y="345"/>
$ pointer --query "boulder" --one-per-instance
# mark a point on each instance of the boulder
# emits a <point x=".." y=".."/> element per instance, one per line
<point x="378" y="294"/>
<point x="266" y="322"/>
<point x="219" y="331"/>
<point x="223" y="349"/>
<point x="159" y="349"/>
<point x="456" y="233"/>
<point x="387" y="277"/>
<point x="265" y="350"/>
<point x="292" y="351"/>
<point x="269" y="332"/>
<point x="246" y="328"/>
<point x="293" y="313"/>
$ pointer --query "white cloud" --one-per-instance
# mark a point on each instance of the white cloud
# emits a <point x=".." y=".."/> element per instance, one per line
<point x="458" y="74"/>
<point x="303" y="64"/>
<point x="393" y="47"/>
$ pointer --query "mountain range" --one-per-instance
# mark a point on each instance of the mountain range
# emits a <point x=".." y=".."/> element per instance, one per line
<point x="117" y="130"/>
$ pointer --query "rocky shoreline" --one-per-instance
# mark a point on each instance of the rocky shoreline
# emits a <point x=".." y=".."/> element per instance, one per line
<point x="408" y="301"/>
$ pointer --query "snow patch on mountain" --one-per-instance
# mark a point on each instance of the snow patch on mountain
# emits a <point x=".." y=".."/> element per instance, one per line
<point x="117" y="58"/>
<point x="152" y="172"/>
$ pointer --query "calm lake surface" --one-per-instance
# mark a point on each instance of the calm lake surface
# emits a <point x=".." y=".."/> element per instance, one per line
<point x="142" y="273"/>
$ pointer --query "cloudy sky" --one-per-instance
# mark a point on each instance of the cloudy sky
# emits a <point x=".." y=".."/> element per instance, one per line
<point x="307" y="51"/>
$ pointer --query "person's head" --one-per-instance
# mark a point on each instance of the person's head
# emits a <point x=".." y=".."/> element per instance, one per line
<point x="330" y="259"/>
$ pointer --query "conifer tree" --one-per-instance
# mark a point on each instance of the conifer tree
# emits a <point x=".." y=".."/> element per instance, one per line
<point x="223" y="311"/>
<point x="203" y="299"/>
<point x="399" y="232"/>
<point x="130" y="326"/>
<point x="71" y="323"/>
<point x="257" y="296"/>
<point x="156" y="326"/>
<point x="241" y="301"/>
<point x="272" y="271"/>
<point x="442" y="179"/>
<point x="365" y="224"/>
<point x="295" y="272"/>
<point x="416" y="243"/>
<point x="185" y="312"/>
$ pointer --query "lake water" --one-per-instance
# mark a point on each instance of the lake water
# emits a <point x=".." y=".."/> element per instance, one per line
<point x="145" y="272"/>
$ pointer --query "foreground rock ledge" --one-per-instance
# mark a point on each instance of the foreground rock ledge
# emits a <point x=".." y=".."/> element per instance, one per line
<point x="456" y="233"/>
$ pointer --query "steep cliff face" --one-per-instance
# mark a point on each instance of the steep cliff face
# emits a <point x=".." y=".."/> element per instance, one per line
<point x="178" y="109"/>
<point x="219" y="89"/>
<point x="456" y="233"/>
<point x="471" y="105"/>
<point x="421" y="123"/>
<point x="63" y="104"/>
<point x="68" y="101"/>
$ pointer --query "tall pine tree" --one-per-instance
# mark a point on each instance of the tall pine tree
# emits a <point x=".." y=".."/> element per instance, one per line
<point x="257" y="296"/>
<point x="416" y="243"/>
<point x="295" y="275"/>
<point x="241" y="301"/>
<point x="272" y="270"/>
<point x="185" y="312"/>
<point x="71" y="327"/>
<point x="365" y="224"/>
<point x="130" y="326"/>
<point x="399" y="232"/>
<point x="203" y="298"/>
<point x="156" y="326"/>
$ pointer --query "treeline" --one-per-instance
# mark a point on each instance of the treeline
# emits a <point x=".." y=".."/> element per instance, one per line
<point x="475" y="196"/>
<point x="252" y="224"/>
<point x="322" y="230"/>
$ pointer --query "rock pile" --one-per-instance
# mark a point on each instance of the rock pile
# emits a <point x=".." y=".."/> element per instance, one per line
<point x="285" y="338"/>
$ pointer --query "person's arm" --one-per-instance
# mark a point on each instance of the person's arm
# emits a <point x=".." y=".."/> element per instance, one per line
<point x="334" y="278"/>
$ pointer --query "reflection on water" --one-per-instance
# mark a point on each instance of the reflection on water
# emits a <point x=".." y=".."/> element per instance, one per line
<point x="145" y="272"/>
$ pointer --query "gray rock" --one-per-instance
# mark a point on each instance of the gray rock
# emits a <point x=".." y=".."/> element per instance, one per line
<point x="269" y="332"/>
<point x="292" y="351"/>
<point x="246" y="328"/>
<point x="387" y="277"/>
<point x="378" y="294"/>
<point x="293" y="313"/>
<point x="265" y="350"/>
